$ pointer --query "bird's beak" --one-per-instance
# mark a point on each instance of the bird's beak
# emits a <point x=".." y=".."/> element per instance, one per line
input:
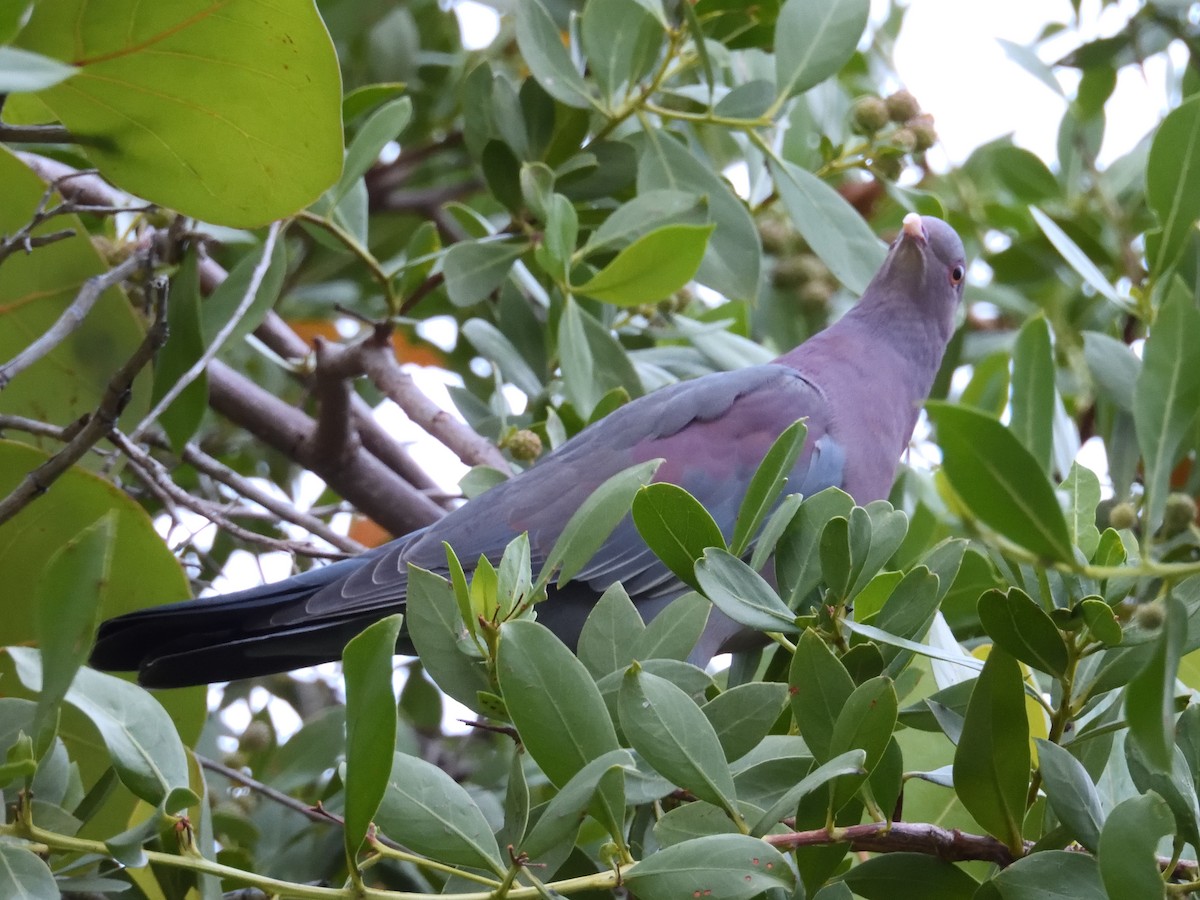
<point x="913" y="228"/>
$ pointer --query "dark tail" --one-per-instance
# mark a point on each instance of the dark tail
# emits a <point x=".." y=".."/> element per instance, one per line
<point x="233" y="636"/>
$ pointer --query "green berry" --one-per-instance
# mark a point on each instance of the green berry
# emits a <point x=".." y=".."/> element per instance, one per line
<point x="814" y="295"/>
<point x="902" y="106"/>
<point x="777" y="236"/>
<point x="256" y="737"/>
<point x="1122" y="516"/>
<point x="922" y="128"/>
<point x="524" y="445"/>
<point x="903" y="140"/>
<point x="869" y="114"/>
<point x="1180" y="512"/>
<point x="1150" y="616"/>
<point x="887" y="167"/>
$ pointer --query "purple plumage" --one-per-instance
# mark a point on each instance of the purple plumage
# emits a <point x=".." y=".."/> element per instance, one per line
<point x="860" y="384"/>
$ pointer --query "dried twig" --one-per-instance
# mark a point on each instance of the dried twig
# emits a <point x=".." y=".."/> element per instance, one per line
<point x="98" y="423"/>
<point x="72" y="317"/>
<point x="35" y="134"/>
<point x="210" y="351"/>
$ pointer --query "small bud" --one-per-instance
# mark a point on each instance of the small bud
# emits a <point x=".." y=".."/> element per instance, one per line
<point x="902" y="106"/>
<point x="869" y="114"/>
<point x="777" y="237"/>
<point x="524" y="445"/>
<point x="256" y="737"/>
<point x="1122" y="516"/>
<point x="814" y="295"/>
<point x="1180" y="512"/>
<point x="903" y="140"/>
<point x="1150" y="616"/>
<point x="922" y="128"/>
<point x="887" y="167"/>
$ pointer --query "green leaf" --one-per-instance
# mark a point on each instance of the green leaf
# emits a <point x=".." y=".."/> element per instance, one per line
<point x="829" y="225"/>
<point x="1167" y="393"/>
<point x="553" y="701"/>
<point x="991" y="762"/>
<point x="1174" y="785"/>
<point x="866" y="723"/>
<point x="23" y="71"/>
<point x="1099" y="618"/>
<point x="741" y="593"/>
<point x="621" y="40"/>
<point x="70" y="594"/>
<point x="652" y="268"/>
<point x="648" y="211"/>
<point x="184" y="347"/>
<point x="675" y="526"/>
<point x="849" y="763"/>
<point x="1114" y="366"/>
<point x="593" y="362"/>
<point x="547" y="58"/>
<point x="370" y="726"/>
<point x="162" y="105"/>
<point x="895" y="875"/>
<point x="139" y="735"/>
<point x="224" y="302"/>
<point x="907" y="613"/>
<point x="1016" y="623"/>
<point x="384" y="126"/>
<point x="673" y="632"/>
<point x="432" y="814"/>
<point x="493" y="345"/>
<point x="1049" y="875"/>
<point x="733" y="261"/>
<point x="668" y="730"/>
<point x="610" y="633"/>
<point x="24" y="876"/>
<point x="435" y="628"/>
<point x="591" y="524"/>
<point x="363" y="99"/>
<point x="1128" y="843"/>
<point x="1150" y="696"/>
<point x="769" y="479"/>
<point x="742" y="715"/>
<point x="814" y="39"/>
<point x="1173" y="182"/>
<point x="729" y="866"/>
<point x="1033" y="392"/>
<point x="560" y="820"/>
<point x="1000" y="481"/>
<point x="820" y="687"/>
<point x="1077" y="259"/>
<point x="474" y="269"/>
<point x="796" y="555"/>
<point x="1071" y="793"/>
<point x="1083" y="494"/>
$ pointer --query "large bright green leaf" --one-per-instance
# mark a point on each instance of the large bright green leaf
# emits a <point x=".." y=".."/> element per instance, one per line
<point x="652" y="268"/>
<point x="197" y="104"/>
<point x="1000" y="481"/>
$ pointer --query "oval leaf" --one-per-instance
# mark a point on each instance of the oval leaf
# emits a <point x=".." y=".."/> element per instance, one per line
<point x="675" y="526"/>
<point x="741" y="593"/>
<point x="1016" y="623"/>
<point x="729" y="866"/>
<point x="652" y="268"/>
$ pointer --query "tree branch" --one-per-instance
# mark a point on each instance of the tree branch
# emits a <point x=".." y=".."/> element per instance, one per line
<point x="72" y="317"/>
<point x="100" y="422"/>
<point x="35" y="134"/>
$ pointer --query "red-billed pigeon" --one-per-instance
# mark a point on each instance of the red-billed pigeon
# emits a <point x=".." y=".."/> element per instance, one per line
<point x="859" y="383"/>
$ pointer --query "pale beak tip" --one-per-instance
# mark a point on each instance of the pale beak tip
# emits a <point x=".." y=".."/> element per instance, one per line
<point x="913" y="226"/>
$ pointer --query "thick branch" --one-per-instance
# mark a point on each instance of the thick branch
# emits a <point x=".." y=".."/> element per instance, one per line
<point x="72" y="317"/>
<point x="98" y="423"/>
<point x="363" y="480"/>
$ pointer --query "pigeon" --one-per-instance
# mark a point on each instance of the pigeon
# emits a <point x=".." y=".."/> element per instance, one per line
<point x="859" y="385"/>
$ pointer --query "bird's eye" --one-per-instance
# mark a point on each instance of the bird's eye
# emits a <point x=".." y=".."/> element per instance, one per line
<point x="957" y="274"/>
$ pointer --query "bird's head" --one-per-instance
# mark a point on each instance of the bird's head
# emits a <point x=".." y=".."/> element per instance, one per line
<point x="926" y="265"/>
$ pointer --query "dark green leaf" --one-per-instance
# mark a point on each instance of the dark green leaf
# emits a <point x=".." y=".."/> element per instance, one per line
<point x="1173" y="181"/>
<point x="1150" y="697"/>
<point x="435" y="627"/>
<point x="742" y="715"/>
<point x="769" y="479"/>
<point x="1128" y="843"/>
<point x="894" y="875"/>
<point x="476" y="268"/>
<point x="224" y="303"/>
<point x="591" y="524"/>
<point x="1099" y="618"/>
<point x="1168" y="392"/>
<point x="1174" y="785"/>
<point x="547" y="58"/>
<point x="673" y="632"/>
<point x="561" y="818"/>
<point x="430" y="813"/>
<point x="1016" y="623"/>
<point x="832" y="227"/>
<point x="370" y="726"/>
<point x="729" y="866"/>
<point x="649" y="210"/>
<point x="668" y="730"/>
<point x="621" y="40"/>
<point x="1050" y="875"/>
<point x="675" y="526"/>
<point x="24" y="876"/>
<point x="1000" y="481"/>
<point x="814" y="39"/>
<point x="610" y="633"/>
<point x="553" y="701"/>
<point x="849" y="763"/>
<point x="496" y="347"/>
<point x="741" y="593"/>
<point x="820" y="688"/>
<point x="1033" y="392"/>
<point x="1071" y="793"/>
<point x="796" y="556"/>
<point x="991" y="762"/>
<point x="185" y="345"/>
<point x="865" y="722"/>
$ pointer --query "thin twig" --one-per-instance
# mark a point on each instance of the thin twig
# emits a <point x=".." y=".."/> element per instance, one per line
<point x="214" y="346"/>
<point x="85" y="186"/>
<point x="35" y="134"/>
<point x="98" y="424"/>
<point x="72" y="317"/>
